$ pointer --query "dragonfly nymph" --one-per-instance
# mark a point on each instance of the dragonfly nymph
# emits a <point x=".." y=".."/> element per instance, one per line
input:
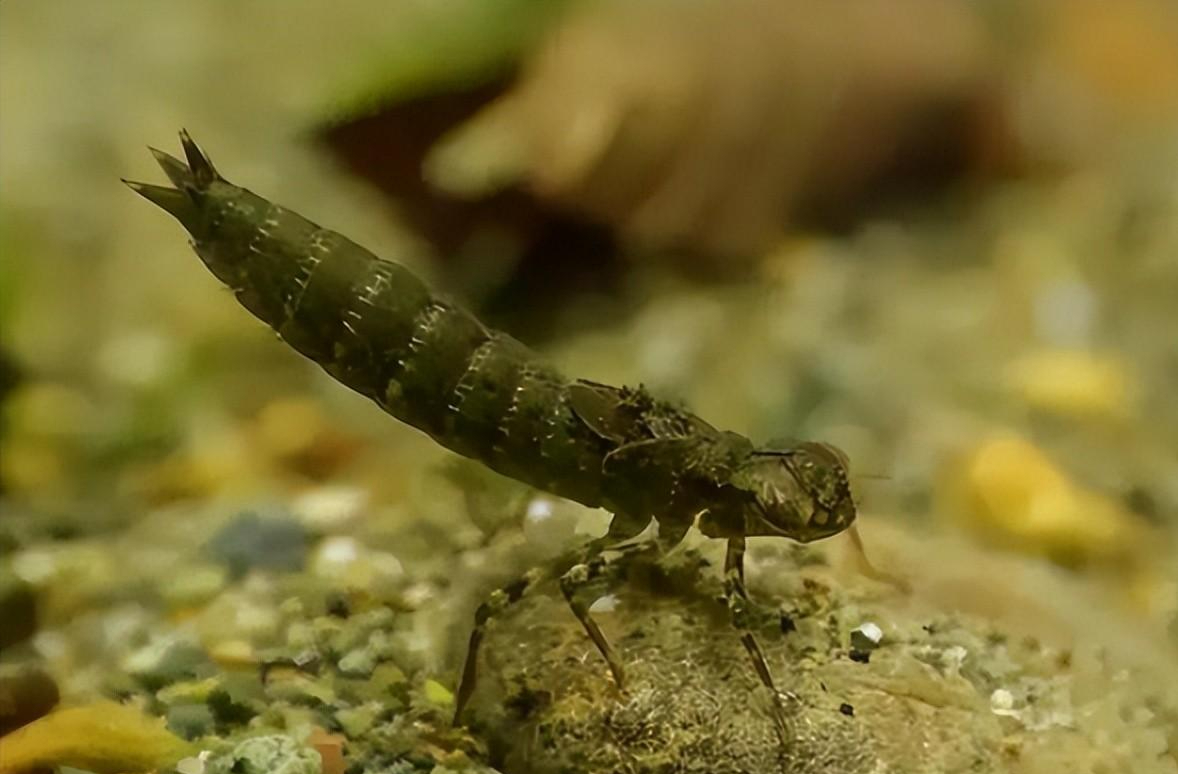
<point x="378" y="329"/>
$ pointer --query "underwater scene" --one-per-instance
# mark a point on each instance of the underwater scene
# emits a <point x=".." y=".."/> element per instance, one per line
<point x="559" y="386"/>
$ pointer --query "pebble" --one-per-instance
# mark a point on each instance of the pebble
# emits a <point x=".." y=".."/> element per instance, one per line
<point x="189" y="691"/>
<point x="239" y="613"/>
<point x="255" y="542"/>
<point x="363" y="630"/>
<point x="357" y="721"/>
<point x="1010" y="492"/>
<point x="49" y="410"/>
<point x="237" y="698"/>
<point x="866" y="636"/>
<point x="273" y="754"/>
<point x="292" y="686"/>
<point x="436" y="693"/>
<point x="191" y="721"/>
<point x="334" y="556"/>
<point x="953" y="658"/>
<point x="289" y="426"/>
<point x="1002" y="703"/>
<point x="165" y="660"/>
<point x="346" y="562"/>
<point x="138" y="359"/>
<point x="357" y="663"/>
<point x="330" y="508"/>
<point x="104" y="736"/>
<point x="1073" y="383"/>
<point x="233" y="654"/>
<point x="26" y="693"/>
<point x="193" y="586"/>
<point x="331" y="750"/>
<point x="194" y="764"/>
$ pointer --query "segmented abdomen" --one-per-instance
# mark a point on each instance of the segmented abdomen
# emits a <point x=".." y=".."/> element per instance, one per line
<point x="374" y="326"/>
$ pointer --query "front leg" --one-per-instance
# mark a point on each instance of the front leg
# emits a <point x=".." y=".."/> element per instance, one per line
<point x="738" y="600"/>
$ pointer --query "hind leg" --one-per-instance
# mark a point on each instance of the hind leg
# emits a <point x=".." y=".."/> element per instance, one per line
<point x="584" y="582"/>
<point x="498" y="601"/>
<point x="501" y="599"/>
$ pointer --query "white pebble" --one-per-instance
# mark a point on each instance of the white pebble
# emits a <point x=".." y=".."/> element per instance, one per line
<point x="337" y="552"/>
<point x="330" y="506"/>
<point x="1002" y="702"/>
<point x="193" y="765"/>
<point x="872" y="631"/>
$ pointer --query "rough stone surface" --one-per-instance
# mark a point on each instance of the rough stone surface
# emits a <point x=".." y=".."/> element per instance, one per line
<point x="693" y="704"/>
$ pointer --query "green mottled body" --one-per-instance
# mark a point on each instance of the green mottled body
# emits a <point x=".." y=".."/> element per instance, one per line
<point x="377" y="328"/>
<point x="374" y="326"/>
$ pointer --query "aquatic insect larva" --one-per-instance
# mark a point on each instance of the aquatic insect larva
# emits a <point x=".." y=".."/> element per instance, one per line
<point x="375" y="327"/>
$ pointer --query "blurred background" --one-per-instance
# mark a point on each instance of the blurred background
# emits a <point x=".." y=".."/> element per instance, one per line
<point x="942" y="236"/>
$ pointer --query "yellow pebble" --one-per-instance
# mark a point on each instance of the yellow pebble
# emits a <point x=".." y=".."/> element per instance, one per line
<point x="289" y="425"/>
<point x="1073" y="383"/>
<point x="105" y="738"/>
<point x="233" y="654"/>
<point x="436" y="693"/>
<point x="1011" y="493"/>
<point x="191" y="692"/>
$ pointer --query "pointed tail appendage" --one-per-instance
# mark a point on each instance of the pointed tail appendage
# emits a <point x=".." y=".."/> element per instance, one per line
<point x="191" y="181"/>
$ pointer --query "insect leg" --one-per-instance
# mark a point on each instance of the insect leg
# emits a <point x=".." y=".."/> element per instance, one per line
<point x="581" y="584"/>
<point x="620" y="529"/>
<point x="498" y="601"/>
<point x="737" y="598"/>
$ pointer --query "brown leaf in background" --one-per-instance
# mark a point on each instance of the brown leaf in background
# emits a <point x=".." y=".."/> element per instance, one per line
<point x="698" y="130"/>
<point x="706" y="126"/>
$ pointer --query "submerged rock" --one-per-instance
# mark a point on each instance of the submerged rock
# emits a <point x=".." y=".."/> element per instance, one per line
<point x="922" y="703"/>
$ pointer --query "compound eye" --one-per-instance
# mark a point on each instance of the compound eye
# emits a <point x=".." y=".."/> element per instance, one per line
<point x="839" y="454"/>
<point x="830" y="453"/>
